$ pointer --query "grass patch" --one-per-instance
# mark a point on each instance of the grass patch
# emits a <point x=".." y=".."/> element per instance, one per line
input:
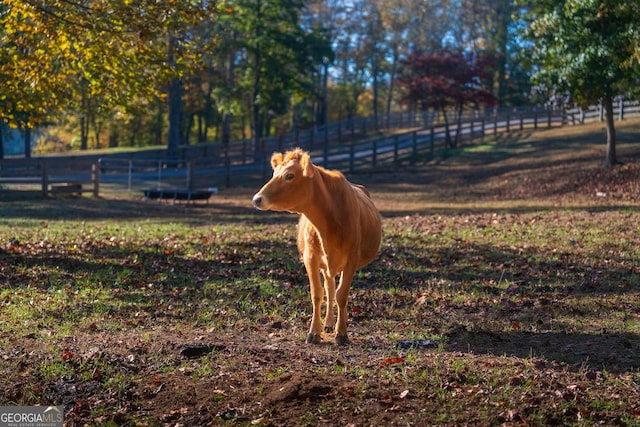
<point x="530" y="302"/>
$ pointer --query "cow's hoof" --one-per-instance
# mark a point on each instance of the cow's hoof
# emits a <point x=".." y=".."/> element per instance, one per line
<point x="342" y="340"/>
<point x="313" y="339"/>
<point x="328" y="329"/>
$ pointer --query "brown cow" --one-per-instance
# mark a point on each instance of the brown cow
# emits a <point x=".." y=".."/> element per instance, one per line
<point x="339" y="230"/>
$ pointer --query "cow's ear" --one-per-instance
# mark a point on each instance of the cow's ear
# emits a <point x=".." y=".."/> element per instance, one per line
<point x="307" y="167"/>
<point x="276" y="159"/>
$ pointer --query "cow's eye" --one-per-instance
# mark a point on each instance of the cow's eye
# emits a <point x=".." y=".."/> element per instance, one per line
<point x="289" y="176"/>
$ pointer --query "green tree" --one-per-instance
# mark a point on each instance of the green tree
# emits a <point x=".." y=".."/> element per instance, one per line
<point x="585" y="48"/>
<point x="277" y="54"/>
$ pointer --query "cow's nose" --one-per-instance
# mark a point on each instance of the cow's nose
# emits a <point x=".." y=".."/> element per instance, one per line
<point x="257" y="200"/>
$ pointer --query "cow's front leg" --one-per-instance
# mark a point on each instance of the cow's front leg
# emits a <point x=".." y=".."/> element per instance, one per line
<point x="342" y="295"/>
<point x="313" y="271"/>
<point x="330" y="292"/>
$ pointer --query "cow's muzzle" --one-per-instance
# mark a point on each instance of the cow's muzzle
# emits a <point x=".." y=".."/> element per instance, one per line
<point x="258" y="201"/>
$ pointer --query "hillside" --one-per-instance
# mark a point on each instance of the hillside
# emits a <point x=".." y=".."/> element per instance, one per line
<point x="560" y="166"/>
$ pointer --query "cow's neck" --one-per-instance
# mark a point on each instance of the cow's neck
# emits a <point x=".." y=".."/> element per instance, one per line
<point x="322" y="212"/>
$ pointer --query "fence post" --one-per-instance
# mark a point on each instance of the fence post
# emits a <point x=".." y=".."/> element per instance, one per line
<point x="395" y="149"/>
<point x="495" y="124"/>
<point x="326" y="135"/>
<point x="414" y="138"/>
<point x="159" y="174"/>
<point x="352" y="155"/>
<point x="482" y="131"/>
<point x="227" y="168"/>
<point x="95" y="177"/>
<point x="549" y="118"/>
<point x="601" y="111"/>
<point x="374" y="155"/>
<point x="432" y="139"/>
<point x="325" y="156"/>
<point x="311" y="137"/>
<point x="130" y="176"/>
<point x="263" y="158"/>
<point x="189" y="175"/>
<point x="621" y="109"/>
<point x="45" y="178"/>
<point x="521" y="121"/>
<point x="472" y="125"/>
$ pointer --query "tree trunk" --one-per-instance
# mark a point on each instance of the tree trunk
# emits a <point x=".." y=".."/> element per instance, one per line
<point x="256" y="118"/>
<point x="458" y="127"/>
<point x="611" y="160"/>
<point x="1" y="141"/>
<point x="159" y="121"/>
<point x="325" y="95"/>
<point x="201" y="131"/>
<point x="175" y="117"/>
<point x="175" y="103"/>
<point x="374" y="67"/>
<point x="84" y="132"/>
<point x="84" y="118"/>
<point x="255" y="96"/>
<point x="113" y="136"/>
<point x="447" y="132"/>
<point x="187" y="128"/>
<point x="27" y="142"/>
<point x="392" y="81"/>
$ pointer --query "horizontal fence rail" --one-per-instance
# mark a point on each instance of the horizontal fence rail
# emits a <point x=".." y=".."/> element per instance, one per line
<point x="349" y="145"/>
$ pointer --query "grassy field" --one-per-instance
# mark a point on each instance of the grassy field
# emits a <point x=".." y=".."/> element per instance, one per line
<point x="507" y="292"/>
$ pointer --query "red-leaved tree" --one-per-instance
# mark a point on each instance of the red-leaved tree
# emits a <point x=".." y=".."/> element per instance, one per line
<point x="447" y="82"/>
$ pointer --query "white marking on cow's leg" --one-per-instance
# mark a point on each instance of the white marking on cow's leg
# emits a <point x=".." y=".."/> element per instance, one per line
<point x="315" y="329"/>
<point x="330" y="292"/>
<point x="342" y="295"/>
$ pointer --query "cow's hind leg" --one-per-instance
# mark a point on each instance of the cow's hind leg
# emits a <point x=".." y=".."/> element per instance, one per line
<point x="342" y="295"/>
<point x="330" y="292"/>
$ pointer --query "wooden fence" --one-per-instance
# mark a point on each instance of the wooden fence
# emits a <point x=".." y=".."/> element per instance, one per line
<point x="51" y="177"/>
<point x="348" y="145"/>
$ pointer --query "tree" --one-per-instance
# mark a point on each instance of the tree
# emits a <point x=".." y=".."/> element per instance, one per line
<point x="277" y="55"/>
<point x="585" y="48"/>
<point x="57" y="55"/>
<point x="446" y="81"/>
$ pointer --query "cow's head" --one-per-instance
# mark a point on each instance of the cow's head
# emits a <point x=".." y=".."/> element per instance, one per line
<point x="290" y="187"/>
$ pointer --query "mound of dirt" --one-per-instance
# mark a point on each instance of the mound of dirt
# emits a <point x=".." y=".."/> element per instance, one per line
<point x="300" y="387"/>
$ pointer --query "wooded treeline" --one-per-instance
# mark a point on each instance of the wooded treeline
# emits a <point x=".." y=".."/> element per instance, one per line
<point x="123" y="73"/>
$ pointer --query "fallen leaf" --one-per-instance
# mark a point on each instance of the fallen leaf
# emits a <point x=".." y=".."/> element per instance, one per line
<point x="392" y="361"/>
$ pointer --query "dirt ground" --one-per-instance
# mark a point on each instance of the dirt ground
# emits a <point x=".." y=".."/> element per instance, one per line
<point x="419" y="355"/>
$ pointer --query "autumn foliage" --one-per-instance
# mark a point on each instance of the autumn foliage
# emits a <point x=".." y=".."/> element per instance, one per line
<point x="447" y="82"/>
